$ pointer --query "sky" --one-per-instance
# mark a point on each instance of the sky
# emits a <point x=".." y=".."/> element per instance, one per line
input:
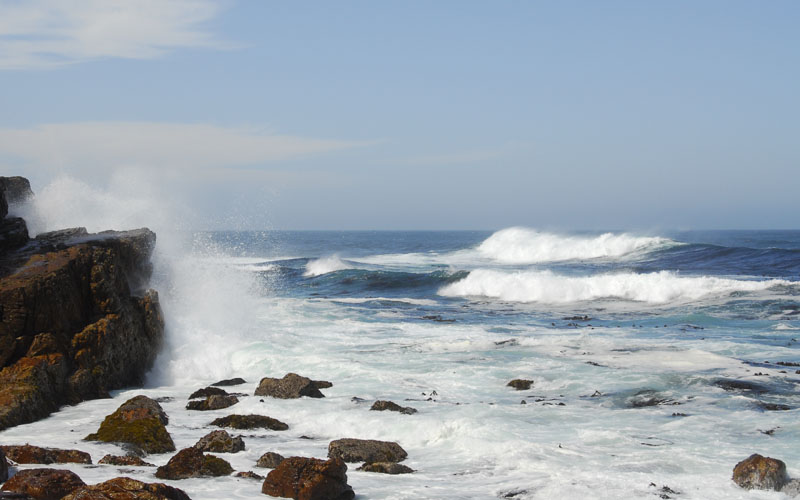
<point x="414" y="114"/>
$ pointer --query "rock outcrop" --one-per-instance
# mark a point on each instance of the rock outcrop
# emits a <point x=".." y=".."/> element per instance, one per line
<point x="229" y="381"/>
<point x="124" y="488"/>
<point x="381" y="405"/>
<point x="220" y="442"/>
<point x="213" y="402"/>
<point x="124" y="461"/>
<point x="140" y="421"/>
<point x="76" y="320"/>
<point x="270" y="460"/>
<point x="520" y="384"/>
<point x="208" y="391"/>
<point x="291" y="386"/>
<point x="760" y="473"/>
<point x="309" y="479"/>
<point x="386" y="468"/>
<point x="250" y="422"/>
<point x="43" y="484"/>
<point x="366" y="450"/>
<point x="191" y="462"/>
<point x="27" y="454"/>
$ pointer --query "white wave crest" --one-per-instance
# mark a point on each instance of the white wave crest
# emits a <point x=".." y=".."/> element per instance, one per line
<point x="519" y="245"/>
<point x="325" y="265"/>
<point x="549" y="288"/>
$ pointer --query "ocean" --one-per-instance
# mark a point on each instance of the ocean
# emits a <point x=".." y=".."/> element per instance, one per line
<point x="658" y="361"/>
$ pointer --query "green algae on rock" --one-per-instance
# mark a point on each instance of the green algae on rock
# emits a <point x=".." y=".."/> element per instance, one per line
<point x="139" y="421"/>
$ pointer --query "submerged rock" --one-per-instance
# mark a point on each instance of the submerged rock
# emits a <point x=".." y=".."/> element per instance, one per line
<point x="386" y="468"/>
<point x="390" y="406"/>
<point x="520" y="384"/>
<point x="366" y="450"/>
<point x="760" y="473"/>
<point x="733" y="385"/>
<point x="249" y="475"/>
<point x="250" y="422"/>
<point x="140" y="421"/>
<point x="220" y="442"/>
<point x="270" y="460"/>
<point x="191" y="462"/>
<point x="43" y="484"/>
<point x="208" y="391"/>
<point x="291" y="386"/>
<point x="309" y="479"/>
<point x="213" y="402"/>
<point x="230" y="381"/>
<point x="125" y="488"/>
<point x="27" y="454"/>
<point x="124" y="461"/>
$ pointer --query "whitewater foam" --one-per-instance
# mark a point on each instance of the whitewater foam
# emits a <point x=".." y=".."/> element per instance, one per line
<point x="325" y="265"/>
<point x="519" y="245"/>
<point x="550" y="288"/>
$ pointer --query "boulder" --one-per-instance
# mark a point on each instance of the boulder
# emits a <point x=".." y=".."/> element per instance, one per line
<point x="386" y="468"/>
<point x="309" y="479"/>
<point x="520" y="384"/>
<point x="269" y="460"/>
<point x="291" y="386"/>
<point x="191" y="462"/>
<point x="16" y="190"/>
<point x="220" y="442"/>
<point x="249" y="475"/>
<point x="124" y="461"/>
<point x="208" y="391"/>
<point x="229" y="381"/>
<point x="27" y="454"/>
<point x="390" y="406"/>
<point x="760" y="473"/>
<point x="213" y="402"/>
<point x="124" y="488"/>
<point x="43" y="484"/>
<point x="250" y="422"/>
<point x="139" y="421"/>
<point x="366" y="450"/>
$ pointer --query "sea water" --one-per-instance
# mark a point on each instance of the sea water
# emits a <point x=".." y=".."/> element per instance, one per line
<point x="630" y="339"/>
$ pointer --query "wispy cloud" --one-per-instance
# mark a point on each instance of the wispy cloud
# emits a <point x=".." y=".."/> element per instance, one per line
<point x="94" y="146"/>
<point x="48" y="33"/>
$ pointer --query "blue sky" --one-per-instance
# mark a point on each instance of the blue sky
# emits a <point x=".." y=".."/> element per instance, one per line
<point x="415" y="115"/>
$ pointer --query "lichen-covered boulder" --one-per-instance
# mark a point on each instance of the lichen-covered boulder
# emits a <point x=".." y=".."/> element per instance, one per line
<point x="250" y="422"/>
<point x="213" y="402"/>
<point x="140" y="421"/>
<point x="386" y="468"/>
<point x="191" y="462"/>
<point x="391" y="406"/>
<point x="291" y="386"/>
<point x="520" y="384"/>
<point x="366" y="450"/>
<point x="124" y="461"/>
<point x="125" y="488"/>
<point x="28" y="454"/>
<point x="309" y="479"/>
<point x="43" y="484"/>
<point x="270" y="460"/>
<point x="220" y="442"/>
<point x="208" y="391"/>
<point x="760" y="473"/>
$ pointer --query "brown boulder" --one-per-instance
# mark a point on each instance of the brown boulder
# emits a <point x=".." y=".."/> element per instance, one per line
<point x="386" y="468"/>
<point x="213" y="402"/>
<point x="291" y="386"/>
<point x="270" y="460"/>
<point x="220" y="442"/>
<point x="208" y="391"/>
<point x="366" y="450"/>
<point x="43" y="484"/>
<point x="760" y="473"/>
<point x="391" y="406"/>
<point x="309" y="479"/>
<point x="124" y="488"/>
<point x="124" y="461"/>
<point x="250" y="422"/>
<point x="520" y="384"/>
<point x="191" y="462"/>
<point x="249" y="475"/>
<point x="139" y="421"/>
<point x="27" y="454"/>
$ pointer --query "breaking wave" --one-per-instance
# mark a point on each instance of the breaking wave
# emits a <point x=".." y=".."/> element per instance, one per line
<point x="325" y="265"/>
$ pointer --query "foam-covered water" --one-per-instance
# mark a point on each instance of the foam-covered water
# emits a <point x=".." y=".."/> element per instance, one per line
<point x="630" y="340"/>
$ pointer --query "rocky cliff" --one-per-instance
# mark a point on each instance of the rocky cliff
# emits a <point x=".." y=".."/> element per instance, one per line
<point x="76" y="319"/>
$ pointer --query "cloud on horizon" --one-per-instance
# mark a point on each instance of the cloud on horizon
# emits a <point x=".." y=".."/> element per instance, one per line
<point x="40" y="34"/>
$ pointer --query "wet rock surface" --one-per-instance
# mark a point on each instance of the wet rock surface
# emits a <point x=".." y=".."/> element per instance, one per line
<point x="124" y="488"/>
<point x="760" y="473"/>
<point x="249" y="475"/>
<point x="270" y="460"/>
<point x="191" y="462"/>
<point x="391" y="406"/>
<point x="220" y="442"/>
<point x="27" y="454"/>
<point x="208" y="391"/>
<point x="520" y="384"/>
<point x="43" y="484"/>
<point x="309" y="479"/>
<point x="386" y="468"/>
<point x="366" y="450"/>
<point x="250" y="422"/>
<point x="139" y="421"/>
<point x="213" y="402"/>
<point x="229" y="382"/>
<point x="124" y="461"/>
<point x="291" y="386"/>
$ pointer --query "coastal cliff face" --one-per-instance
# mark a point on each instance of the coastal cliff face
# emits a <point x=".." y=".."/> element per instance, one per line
<point x="75" y="318"/>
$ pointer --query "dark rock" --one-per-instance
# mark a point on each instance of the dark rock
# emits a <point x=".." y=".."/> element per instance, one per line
<point x="366" y="450"/>
<point x="43" y="484"/>
<point x="773" y="406"/>
<point x="220" y="442"/>
<point x="16" y="190"/>
<point x="520" y="384"/>
<point x="191" y="462"/>
<point x="27" y="454"/>
<point x="732" y="385"/>
<point x="309" y="479"/>
<point x="214" y="402"/>
<point x="140" y="421"/>
<point x="229" y="381"/>
<point x="3" y="467"/>
<point x="270" y="460"/>
<point x="648" y="397"/>
<point x="390" y="406"/>
<point x="125" y="488"/>
<point x="386" y="468"/>
<point x="124" y="461"/>
<point x="322" y="384"/>
<point x="250" y="422"/>
<point x="13" y="233"/>
<point x="760" y="473"/>
<point x="208" y="391"/>
<point x="249" y="475"/>
<point x="291" y="386"/>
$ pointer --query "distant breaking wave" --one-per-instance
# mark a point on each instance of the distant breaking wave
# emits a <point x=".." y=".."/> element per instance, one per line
<point x="325" y="265"/>
<point x="549" y="288"/>
<point x="519" y="245"/>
